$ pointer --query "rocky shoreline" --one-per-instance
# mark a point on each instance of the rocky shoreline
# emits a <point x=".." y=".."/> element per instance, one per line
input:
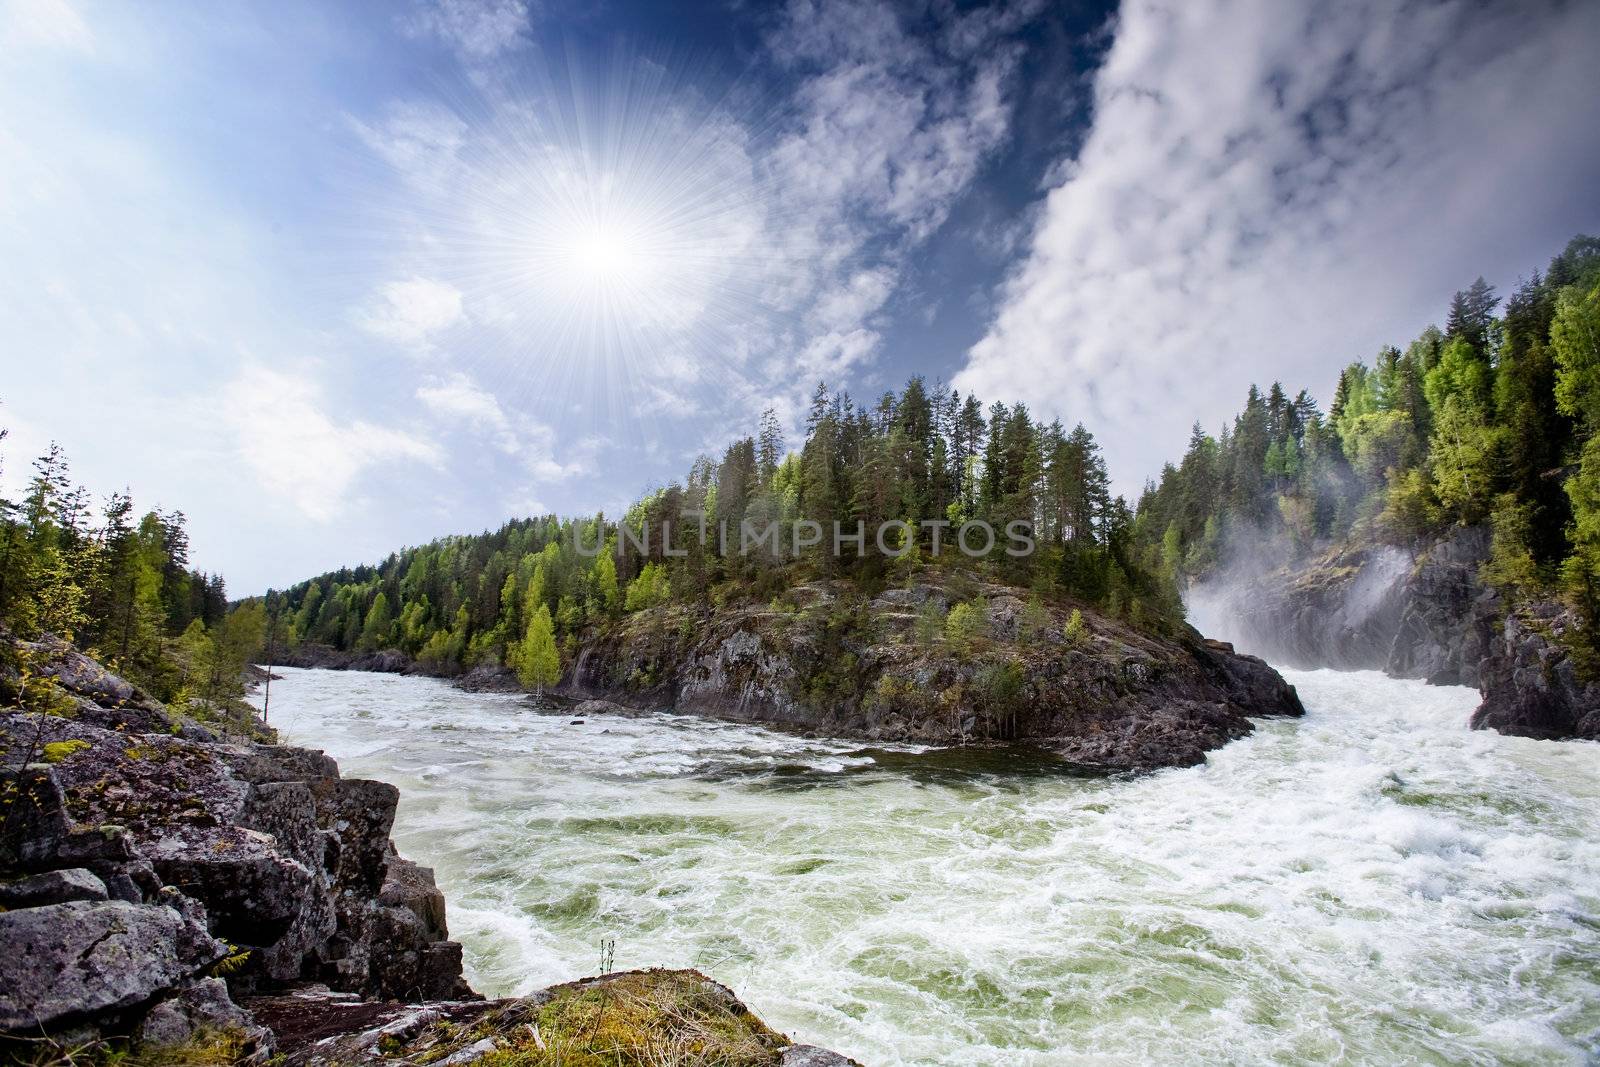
<point x="1425" y="614"/>
<point x="168" y="884"/>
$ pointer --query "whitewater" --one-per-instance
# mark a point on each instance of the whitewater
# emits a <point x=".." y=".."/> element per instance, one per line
<point x="1375" y="883"/>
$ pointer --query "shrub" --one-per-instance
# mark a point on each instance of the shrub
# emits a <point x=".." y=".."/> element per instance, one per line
<point x="966" y="622"/>
<point x="1077" y="631"/>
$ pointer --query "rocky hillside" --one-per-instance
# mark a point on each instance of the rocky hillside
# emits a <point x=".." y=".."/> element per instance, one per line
<point x="820" y="659"/>
<point x="1102" y="693"/>
<point x="1424" y="614"/>
<point x="176" y="892"/>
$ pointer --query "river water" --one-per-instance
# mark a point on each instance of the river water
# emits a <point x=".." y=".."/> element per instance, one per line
<point x="1373" y="884"/>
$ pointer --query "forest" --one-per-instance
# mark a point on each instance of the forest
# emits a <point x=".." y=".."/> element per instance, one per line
<point x="120" y="587"/>
<point x="1491" y="420"/>
<point x="521" y="595"/>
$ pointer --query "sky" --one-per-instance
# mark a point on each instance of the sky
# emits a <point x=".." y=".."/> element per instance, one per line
<point x="337" y="278"/>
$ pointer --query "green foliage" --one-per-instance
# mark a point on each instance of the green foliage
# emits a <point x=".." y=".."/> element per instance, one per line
<point x="998" y="691"/>
<point x="1511" y="567"/>
<point x="377" y="631"/>
<point x="966" y="622"/>
<point x="538" y="663"/>
<point x="117" y="587"/>
<point x="650" y="589"/>
<point x="1076" y="632"/>
<point x="1033" y="621"/>
<point x="930" y="622"/>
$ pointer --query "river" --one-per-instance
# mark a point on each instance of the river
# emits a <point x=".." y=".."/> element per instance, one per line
<point x="1373" y="884"/>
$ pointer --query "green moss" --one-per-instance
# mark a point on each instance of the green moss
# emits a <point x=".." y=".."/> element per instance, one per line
<point x="56" y="751"/>
<point x="639" y="1019"/>
<point x="643" y="1020"/>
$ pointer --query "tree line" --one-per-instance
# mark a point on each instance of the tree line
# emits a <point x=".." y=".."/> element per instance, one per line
<point x="1491" y="420"/>
<point x="927" y="460"/>
<point x="119" y="585"/>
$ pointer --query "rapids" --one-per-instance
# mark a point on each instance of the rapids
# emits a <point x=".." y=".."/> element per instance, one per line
<point x="1373" y="884"/>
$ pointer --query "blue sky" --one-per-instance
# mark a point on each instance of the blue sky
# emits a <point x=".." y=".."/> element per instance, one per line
<point x="334" y="278"/>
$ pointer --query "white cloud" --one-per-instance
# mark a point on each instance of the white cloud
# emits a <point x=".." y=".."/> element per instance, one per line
<point x="298" y="451"/>
<point x="1270" y="191"/>
<point x="828" y="356"/>
<point x="462" y="404"/>
<point x="892" y="129"/>
<point x="458" y="400"/>
<point x="410" y="312"/>
<point x="476" y="29"/>
<point x="43" y="24"/>
<point x="419" y="140"/>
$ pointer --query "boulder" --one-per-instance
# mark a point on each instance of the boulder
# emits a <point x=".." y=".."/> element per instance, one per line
<point x="36" y="821"/>
<point x="51" y="887"/>
<point x="196" y="1007"/>
<point x="82" y="959"/>
<point x="97" y="696"/>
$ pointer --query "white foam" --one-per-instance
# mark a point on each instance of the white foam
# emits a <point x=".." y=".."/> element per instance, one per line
<point x="1374" y="883"/>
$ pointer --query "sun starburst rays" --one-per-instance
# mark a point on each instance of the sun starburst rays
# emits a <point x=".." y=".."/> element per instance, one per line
<point x="621" y="247"/>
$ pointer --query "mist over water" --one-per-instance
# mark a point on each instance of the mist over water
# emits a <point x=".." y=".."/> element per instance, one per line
<point x="1373" y="884"/>
<point x="1231" y="606"/>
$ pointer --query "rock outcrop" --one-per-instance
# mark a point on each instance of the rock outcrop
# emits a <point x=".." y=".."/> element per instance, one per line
<point x="1113" y="696"/>
<point x="642" y="1017"/>
<point x="151" y="871"/>
<point x="1422" y="615"/>
<point x="1531" y="685"/>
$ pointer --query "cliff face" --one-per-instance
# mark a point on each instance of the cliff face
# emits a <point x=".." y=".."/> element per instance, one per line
<point x="1112" y="697"/>
<point x="1425" y="614"/>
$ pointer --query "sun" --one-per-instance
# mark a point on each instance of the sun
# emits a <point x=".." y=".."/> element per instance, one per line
<point x="606" y="254"/>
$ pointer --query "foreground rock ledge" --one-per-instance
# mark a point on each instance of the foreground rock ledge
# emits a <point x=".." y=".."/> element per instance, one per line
<point x="646" y="1017"/>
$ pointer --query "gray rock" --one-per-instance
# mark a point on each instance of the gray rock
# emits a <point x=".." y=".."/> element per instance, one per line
<point x="812" y="1056"/>
<point x="65" y="962"/>
<point x="52" y="887"/>
<point x="36" y="815"/>
<point x="471" y="1054"/>
<point x="200" y="1005"/>
<point x="1531" y="687"/>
